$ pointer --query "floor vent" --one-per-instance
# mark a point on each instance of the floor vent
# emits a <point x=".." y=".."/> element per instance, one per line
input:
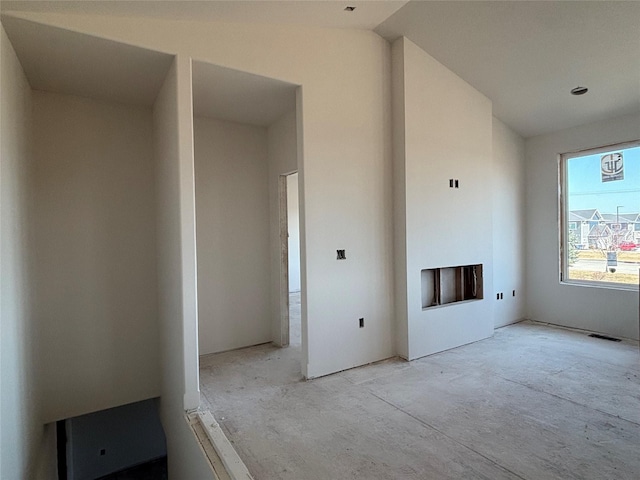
<point x="604" y="337"/>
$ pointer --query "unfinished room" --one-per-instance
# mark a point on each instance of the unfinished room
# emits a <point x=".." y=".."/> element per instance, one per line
<point x="320" y="239"/>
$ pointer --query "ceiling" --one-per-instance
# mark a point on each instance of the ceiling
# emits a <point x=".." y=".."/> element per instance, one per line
<point x="239" y="96"/>
<point x="524" y="55"/>
<point x="62" y="61"/>
<point x="321" y="13"/>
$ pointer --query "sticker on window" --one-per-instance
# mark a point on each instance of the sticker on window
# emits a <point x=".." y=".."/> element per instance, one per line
<point x="612" y="167"/>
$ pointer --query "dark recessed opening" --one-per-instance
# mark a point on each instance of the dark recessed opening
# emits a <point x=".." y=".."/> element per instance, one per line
<point x="604" y="337"/>
<point x="349" y="9"/>
<point x="579" y="90"/>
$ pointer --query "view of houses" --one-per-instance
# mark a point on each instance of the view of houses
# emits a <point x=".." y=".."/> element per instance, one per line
<point x="591" y="229"/>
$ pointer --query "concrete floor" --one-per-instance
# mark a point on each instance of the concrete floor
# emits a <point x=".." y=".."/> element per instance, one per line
<point x="533" y="402"/>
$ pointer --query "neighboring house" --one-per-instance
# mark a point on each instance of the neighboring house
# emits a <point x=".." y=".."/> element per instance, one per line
<point x="625" y="225"/>
<point x="635" y="223"/>
<point x="581" y="222"/>
<point x="593" y="229"/>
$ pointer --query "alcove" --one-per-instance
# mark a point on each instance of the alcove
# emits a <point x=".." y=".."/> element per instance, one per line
<point x="244" y="139"/>
<point x="92" y="217"/>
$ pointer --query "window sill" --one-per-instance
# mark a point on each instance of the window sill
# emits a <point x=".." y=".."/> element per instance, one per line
<point x="602" y="285"/>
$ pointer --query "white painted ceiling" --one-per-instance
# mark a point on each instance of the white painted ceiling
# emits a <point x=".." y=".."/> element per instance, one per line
<point x="322" y="13"/>
<point x="58" y="60"/>
<point x="241" y="97"/>
<point x="524" y="55"/>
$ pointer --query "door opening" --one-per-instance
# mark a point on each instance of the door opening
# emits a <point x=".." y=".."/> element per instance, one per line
<point x="290" y="261"/>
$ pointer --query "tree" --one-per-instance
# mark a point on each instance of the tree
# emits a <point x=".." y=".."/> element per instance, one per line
<point x="573" y="251"/>
<point x="603" y="240"/>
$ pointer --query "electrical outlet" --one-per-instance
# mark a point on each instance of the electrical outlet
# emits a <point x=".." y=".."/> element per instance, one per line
<point x="514" y="293"/>
<point x="103" y="452"/>
<point x="341" y="255"/>
<point x="361" y="321"/>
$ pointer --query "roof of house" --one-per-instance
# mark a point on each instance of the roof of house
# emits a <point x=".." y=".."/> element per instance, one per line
<point x="621" y="217"/>
<point x="583" y="215"/>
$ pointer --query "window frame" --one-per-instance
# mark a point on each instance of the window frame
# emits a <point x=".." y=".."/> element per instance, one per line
<point x="563" y="215"/>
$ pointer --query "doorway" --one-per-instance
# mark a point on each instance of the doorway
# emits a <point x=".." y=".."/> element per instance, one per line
<point x="290" y="260"/>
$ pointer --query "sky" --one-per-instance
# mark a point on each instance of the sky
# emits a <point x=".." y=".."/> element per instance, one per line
<point x="586" y="189"/>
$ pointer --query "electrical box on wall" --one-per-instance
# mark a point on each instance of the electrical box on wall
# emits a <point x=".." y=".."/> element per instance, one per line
<point x="444" y="286"/>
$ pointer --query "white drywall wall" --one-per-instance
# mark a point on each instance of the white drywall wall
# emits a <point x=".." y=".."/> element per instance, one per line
<point x="294" y="232"/>
<point x="447" y="134"/>
<point x="509" y="241"/>
<point x="95" y="261"/>
<point x="129" y="435"/>
<point x="19" y="436"/>
<point x="283" y="159"/>
<point x="27" y="446"/>
<point x="399" y="199"/>
<point x="173" y="157"/>
<point x="345" y="166"/>
<point x="232" y="225"/>
<point x="606" y="310"/>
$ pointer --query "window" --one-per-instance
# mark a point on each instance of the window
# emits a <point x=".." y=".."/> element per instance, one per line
<point x="600" y="193"/>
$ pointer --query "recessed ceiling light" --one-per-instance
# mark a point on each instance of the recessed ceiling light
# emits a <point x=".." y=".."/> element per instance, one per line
<point x="349" y="9"/>
<point x="579" y="90"/>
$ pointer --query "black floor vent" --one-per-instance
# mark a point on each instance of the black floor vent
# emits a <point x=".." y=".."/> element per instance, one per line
<point x="604" y="337"/>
